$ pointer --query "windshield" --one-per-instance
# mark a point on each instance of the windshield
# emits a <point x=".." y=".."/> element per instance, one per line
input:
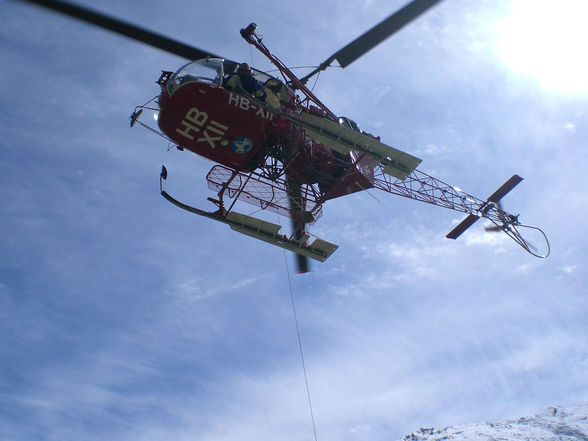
<point x="209" y="70"/>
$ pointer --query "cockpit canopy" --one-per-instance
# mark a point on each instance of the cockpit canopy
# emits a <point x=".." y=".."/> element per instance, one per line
<point x="211" y="71"/>
<point x="208" y="70"/>
<point x="260" y="76"/>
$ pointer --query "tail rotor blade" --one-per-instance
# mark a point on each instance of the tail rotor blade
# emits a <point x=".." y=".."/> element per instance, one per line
<point x="295" y="200"/>
<point x="302" y="265"/>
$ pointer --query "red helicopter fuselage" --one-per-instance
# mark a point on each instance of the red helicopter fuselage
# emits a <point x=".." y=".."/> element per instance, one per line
<point x="215" y="123"/>
<point x="198" y="114"/>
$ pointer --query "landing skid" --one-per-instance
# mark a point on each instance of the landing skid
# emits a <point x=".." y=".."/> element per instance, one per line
<point x="318" y="249"/>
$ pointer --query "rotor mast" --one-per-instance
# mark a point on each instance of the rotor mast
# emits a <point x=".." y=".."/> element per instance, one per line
<point x="249" y="35"/>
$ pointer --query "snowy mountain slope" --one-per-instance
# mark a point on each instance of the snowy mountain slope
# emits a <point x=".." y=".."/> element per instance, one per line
<point x="552" y="424"/>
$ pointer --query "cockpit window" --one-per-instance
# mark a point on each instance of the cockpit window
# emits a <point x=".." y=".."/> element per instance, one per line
<point x="260" y="76"/>
<point x="209" y="70"/>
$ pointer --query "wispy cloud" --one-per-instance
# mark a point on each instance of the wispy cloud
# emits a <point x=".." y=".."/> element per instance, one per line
<point x="125" y="318"/>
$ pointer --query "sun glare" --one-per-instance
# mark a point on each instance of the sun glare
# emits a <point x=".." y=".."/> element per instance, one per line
<point x="548" y="40"/>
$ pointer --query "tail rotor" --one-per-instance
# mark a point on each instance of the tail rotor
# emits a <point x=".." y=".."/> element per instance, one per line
<point x="510" y="225"/>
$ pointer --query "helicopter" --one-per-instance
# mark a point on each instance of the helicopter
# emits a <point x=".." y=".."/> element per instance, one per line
<point x="284" y="150"/>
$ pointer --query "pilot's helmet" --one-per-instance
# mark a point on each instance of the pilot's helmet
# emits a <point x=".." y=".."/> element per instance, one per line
<point x="244" y="69"/>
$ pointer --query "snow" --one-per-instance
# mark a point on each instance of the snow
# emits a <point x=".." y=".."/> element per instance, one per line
<point x="553" y="423"/>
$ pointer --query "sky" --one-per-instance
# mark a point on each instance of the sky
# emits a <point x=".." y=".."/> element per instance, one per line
<point x="125" y="318"/>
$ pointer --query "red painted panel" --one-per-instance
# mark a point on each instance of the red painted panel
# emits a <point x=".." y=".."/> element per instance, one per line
<point x="210" y="121"/>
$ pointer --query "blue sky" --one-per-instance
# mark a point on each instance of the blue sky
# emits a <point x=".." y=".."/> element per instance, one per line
<point x="125" y="318"/>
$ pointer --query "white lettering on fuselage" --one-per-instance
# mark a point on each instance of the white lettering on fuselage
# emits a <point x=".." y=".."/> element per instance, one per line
<point x="234" y="99"/>
<point x="216" y="128"/>
<point x="195" y="121"/>
<point x="245" y="104"/>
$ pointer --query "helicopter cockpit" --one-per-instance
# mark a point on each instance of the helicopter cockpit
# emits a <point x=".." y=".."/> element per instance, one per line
<point x="277" y="93"/>
<point x="211" y="71"/>
<point x="207" y="70"/>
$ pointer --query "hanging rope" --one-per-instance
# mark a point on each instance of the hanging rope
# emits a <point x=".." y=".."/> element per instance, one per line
<point x="300" y="347"/>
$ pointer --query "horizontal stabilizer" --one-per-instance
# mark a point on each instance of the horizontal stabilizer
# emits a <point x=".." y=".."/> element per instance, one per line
<point x="342" y="139"/>
<point x="494" y="198"/>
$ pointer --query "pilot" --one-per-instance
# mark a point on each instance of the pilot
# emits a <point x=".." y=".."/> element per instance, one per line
<point x="243" y="80"/>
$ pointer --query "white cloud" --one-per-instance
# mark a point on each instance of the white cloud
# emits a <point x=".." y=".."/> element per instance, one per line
<point x="129" y="319"/>
<point x="568" y="269"/>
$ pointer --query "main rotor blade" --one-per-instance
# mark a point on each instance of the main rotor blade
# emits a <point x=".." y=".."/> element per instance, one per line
<point x="123" y="28"/>
<point x="302" y="264"/>
<point x="376" y="35"/>
<point x="380" y="32"/>
<point x="295" y="199"/>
